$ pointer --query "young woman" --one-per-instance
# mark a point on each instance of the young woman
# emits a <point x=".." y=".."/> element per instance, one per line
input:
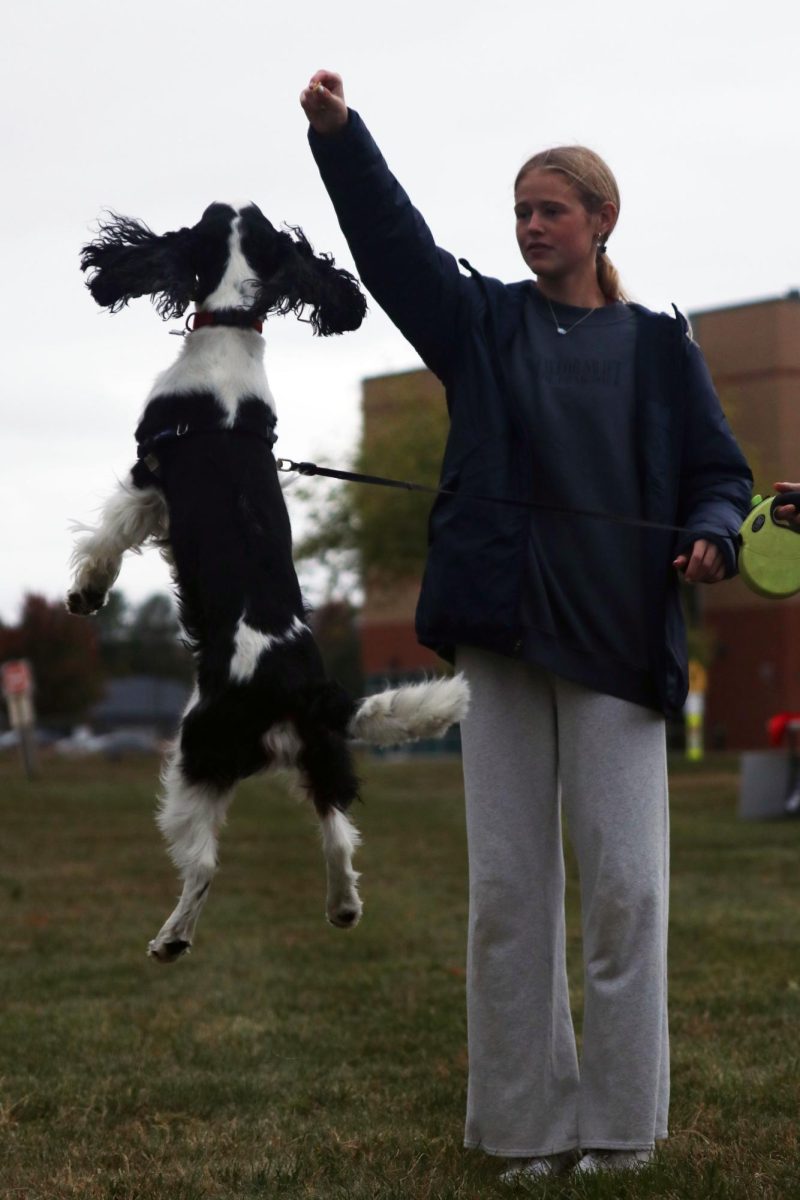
<point x="568" y="627"/>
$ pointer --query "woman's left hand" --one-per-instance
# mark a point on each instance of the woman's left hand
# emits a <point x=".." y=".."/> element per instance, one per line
<point x="787" y="512"/>
<point x="704" y="565"/>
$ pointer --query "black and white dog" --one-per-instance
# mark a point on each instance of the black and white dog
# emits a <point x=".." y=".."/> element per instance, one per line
<point x="205" y="488"/>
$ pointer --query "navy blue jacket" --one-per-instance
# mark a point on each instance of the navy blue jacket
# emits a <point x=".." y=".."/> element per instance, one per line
<point x="691" y="469"/>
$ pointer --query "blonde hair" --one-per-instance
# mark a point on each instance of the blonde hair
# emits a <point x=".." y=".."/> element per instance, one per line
<point x="595" y="184"/>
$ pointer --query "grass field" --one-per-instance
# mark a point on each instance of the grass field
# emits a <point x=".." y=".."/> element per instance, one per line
<point x="285" y="1058"/>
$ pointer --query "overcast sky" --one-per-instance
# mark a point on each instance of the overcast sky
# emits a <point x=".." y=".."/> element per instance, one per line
<point x="157" y="108"/>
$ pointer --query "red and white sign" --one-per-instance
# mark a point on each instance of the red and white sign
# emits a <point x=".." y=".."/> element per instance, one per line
<point x="17" y="678"/>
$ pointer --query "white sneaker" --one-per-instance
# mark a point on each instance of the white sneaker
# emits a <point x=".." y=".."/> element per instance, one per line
<point x="536" y="1168"/>
<point x="595" y="1161"/>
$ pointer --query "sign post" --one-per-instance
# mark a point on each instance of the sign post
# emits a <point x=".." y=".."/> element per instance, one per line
<point x="17" y="684"/>
<point x="695" y="710"/>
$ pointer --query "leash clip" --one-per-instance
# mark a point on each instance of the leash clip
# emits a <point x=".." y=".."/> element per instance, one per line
<point x="302" y="468"/>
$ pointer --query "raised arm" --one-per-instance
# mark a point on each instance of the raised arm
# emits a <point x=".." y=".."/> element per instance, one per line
<point x="417" y="284"/>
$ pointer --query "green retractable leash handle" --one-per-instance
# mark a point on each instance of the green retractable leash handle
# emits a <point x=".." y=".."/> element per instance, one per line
<point x="769" y="553"/>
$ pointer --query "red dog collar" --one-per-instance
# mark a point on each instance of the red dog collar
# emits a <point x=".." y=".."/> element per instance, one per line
<point x="199" y="319"/>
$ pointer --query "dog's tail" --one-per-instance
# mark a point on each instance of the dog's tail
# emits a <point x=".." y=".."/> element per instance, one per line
<point x="418" y="710"/>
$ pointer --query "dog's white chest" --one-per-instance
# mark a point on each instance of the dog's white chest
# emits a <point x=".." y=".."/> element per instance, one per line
<point x="226" y="362"/>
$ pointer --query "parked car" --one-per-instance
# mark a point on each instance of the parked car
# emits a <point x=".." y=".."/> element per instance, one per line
<point x="9" y="739"/>
<point x="80" y="743"/>
<point x="120" y="742"/>
<point x="114" y="745"/>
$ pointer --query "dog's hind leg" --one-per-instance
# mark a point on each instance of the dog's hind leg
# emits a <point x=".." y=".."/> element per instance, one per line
<point x="190" y="816"/>
<point x="340" y="838"/>
<point x="129" y="517"/>
<point x="327" y="770"/>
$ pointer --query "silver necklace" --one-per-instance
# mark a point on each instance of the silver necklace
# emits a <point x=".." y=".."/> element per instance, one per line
<point x="560" y="328"/>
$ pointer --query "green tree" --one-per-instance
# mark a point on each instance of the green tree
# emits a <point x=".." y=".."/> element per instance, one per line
<point x="112" y="625"/>
<point x="143" y="639"/>
<point x="378" y="530"/>
<point x="154" y="640"/>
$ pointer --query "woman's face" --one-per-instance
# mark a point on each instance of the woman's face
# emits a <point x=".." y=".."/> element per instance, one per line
<point x="555" y="233"/>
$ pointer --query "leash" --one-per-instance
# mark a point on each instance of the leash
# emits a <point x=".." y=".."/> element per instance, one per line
<point x="768" y="549"/>
<point x="308" y="468"/>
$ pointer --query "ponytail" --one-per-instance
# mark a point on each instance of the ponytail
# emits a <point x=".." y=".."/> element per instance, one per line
<point x="608" y="279"/>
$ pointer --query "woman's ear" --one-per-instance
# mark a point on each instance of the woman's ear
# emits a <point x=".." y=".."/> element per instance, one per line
<point x="607" y="218"/>
<point x="129" y="260"/>
<point x="302" y="279"/>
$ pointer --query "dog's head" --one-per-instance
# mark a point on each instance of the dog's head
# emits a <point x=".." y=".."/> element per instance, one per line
<point x="232" y="261"/>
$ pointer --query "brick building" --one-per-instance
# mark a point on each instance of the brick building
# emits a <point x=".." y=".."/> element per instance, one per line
<point x="389" y="648"/>
<point x="753" y="351"/>
<point x="413" y="402"/>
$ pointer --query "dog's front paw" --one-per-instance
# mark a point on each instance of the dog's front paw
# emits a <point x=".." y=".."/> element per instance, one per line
<point x="85" y="602"/>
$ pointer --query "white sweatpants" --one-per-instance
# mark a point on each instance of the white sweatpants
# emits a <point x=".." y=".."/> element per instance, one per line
<point x="532" y="742"/>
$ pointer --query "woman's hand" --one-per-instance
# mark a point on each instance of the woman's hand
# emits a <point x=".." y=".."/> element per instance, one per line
<point x="704" y="565"/>
<point x="323" y="102"/>
<point x="787" y="512"/>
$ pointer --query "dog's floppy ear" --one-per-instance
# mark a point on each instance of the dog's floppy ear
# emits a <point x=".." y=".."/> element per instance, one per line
<point x="292" y="277"/>
<point x="129" y="260"/>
